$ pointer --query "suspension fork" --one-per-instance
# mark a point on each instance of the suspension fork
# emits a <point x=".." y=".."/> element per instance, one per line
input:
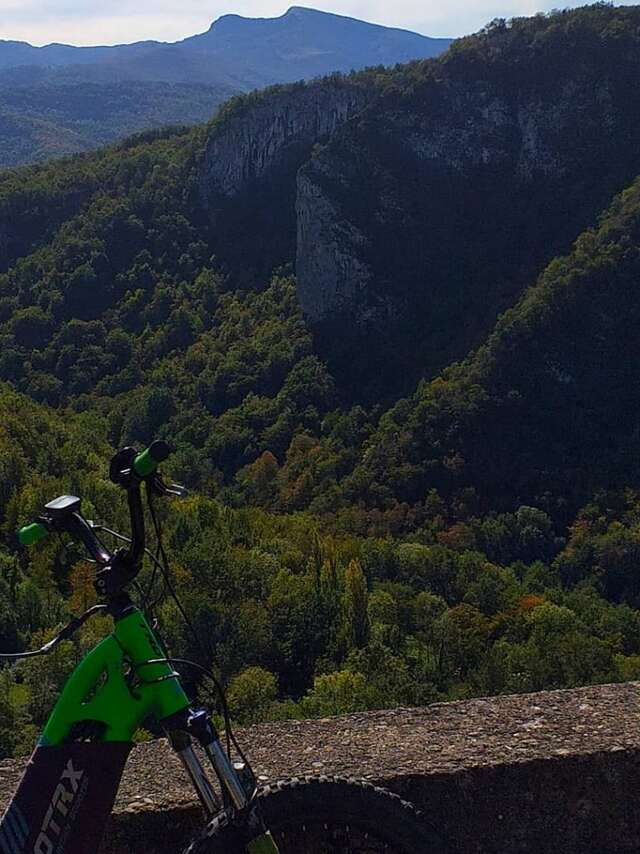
<point x="235" y="782"/>
<point x="182" y="745"/>
<point x="238" y="785"/>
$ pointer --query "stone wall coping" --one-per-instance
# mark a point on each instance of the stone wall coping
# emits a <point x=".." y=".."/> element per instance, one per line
<point x="441" y="739"/>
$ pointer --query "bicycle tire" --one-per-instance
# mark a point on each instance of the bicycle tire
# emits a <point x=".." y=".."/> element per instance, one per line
<point x="310" y="816"/>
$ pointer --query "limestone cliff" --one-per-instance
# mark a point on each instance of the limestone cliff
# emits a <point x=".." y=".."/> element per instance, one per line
<point x="328" y="268"/>
<point x="425" y="218"/>
<point x="437" y="192"/>
<point x="247" y="175"/>
<point x="256" y="138"/>
<point x="483" y="133"/>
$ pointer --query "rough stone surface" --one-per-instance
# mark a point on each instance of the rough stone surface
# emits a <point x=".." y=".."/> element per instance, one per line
<point x="340" y="273"/>
<point x="543" y="773"/>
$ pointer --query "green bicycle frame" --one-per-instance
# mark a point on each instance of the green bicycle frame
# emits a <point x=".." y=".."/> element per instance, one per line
<point x="100" y="690"/>
<point x="68" y="789"/>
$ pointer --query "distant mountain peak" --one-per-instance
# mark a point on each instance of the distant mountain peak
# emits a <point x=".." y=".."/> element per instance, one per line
<point x="305" y="10"/>
<point x="232" y="18"/>
<point x="307" y="13"/>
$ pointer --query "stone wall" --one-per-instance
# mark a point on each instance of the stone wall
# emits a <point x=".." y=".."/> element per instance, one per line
<point x="542" y="773"/>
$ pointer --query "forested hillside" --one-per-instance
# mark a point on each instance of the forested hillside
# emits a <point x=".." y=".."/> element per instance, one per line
<point x="455" y="531"/>
<point x="546" y="411"/>
<point x="305" y="617"/>
<point x="452" y="191"/>
<point x="46" y="120"/>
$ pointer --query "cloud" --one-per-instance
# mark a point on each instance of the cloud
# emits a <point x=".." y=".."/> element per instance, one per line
<point x="117" y="21"/>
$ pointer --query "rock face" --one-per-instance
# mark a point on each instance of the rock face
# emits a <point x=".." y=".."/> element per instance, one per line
<point x="468" y="133"/>
<point x="429" y="215"/>
<point x="257" y="139"/>
<point x="248" y="172"/>
<point x="438" y="192"/>
<point x="329" y="271"/>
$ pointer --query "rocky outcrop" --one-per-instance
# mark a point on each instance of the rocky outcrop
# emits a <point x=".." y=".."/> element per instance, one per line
<point x="533" y="774"/>
<point x="329" y="271"/>
<point x="264" y="130"/>
<point x="438" y="193"/>
<point x="459" y="133"/>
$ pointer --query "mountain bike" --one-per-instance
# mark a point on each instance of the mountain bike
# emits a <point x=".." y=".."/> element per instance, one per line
<point x="68" y="789"/>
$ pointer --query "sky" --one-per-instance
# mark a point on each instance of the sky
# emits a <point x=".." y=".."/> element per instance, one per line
<point x="90" y="22"/>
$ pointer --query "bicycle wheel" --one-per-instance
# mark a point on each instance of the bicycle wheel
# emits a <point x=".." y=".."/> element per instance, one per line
<point x="327" y="815"/>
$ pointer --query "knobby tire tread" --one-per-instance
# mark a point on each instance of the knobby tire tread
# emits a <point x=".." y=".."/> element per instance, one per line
<point x="354" y="801"/>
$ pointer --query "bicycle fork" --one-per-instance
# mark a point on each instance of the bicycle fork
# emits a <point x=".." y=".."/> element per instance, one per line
<point x="235" y="779"/>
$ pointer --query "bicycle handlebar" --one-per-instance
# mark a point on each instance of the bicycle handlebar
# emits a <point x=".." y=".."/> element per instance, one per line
<point x="63" y="515"/>
<point x="129" y="470"/>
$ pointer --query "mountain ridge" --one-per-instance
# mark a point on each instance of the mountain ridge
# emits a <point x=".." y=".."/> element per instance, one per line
<point x="60" y="55"/>
<point x="294" y="11"/>
<point x="235" y="55"/>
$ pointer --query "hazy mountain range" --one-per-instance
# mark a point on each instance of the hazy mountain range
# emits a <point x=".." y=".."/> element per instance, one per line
<point x="61" y="99"/>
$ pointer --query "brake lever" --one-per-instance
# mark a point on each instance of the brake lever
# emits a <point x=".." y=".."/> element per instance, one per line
<point x="177" y="490"/>
<point x="159" y="487"/>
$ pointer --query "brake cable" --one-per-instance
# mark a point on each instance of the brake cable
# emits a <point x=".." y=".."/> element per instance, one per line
<point x="163" y="565"/>
<point x="147" y="607"/>
<point x="67" y="632"/>
<point x="164" y="568"/>
<point x="230" y="736"/>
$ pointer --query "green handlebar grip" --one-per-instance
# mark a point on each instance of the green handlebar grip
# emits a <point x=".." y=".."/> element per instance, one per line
<point x="33" y="533"/>
<point x="148" y="461"/>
